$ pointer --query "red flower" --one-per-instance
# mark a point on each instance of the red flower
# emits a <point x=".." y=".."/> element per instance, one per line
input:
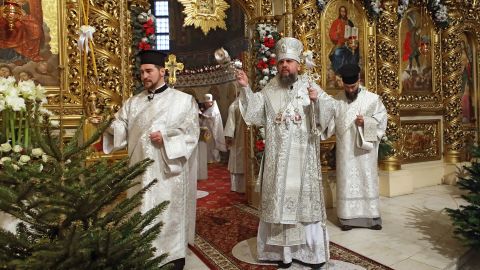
<point x="98" y="146"/>
<point x="269" y="42"/>
<point x="272" y="62"/>
<point x="260" y="145"/>
<point x="262" y="65"/>
<point x="149" y="31"/>
<point x="142" y="45"/>
<point x="148" y="24"/>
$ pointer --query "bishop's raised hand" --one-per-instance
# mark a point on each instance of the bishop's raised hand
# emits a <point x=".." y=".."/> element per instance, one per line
<point x="242" y="78"/>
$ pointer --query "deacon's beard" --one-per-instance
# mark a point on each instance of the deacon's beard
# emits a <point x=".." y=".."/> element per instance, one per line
<point x="287" y="80"/>
<point x="152" y="86"/>
<point x="352" y="96"/>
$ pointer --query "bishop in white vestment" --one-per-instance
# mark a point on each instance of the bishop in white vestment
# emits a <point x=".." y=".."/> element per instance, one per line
<point x="359" y="124"/>
<point x="292" y="213"/>
<point x="234" y="134"/>
<point x="161" y="123"/>
<point x="212" y="119"/>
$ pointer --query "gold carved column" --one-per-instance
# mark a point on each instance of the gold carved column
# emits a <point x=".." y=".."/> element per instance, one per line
<point x="305" y="25"/>
<point x="452" y="83"/>
<point x="388" y="77"/>
<point x="288" y="18"/>
<point x="83" y="94"/>
<point x="113" y="41"/>
<point x="113" y="59"/>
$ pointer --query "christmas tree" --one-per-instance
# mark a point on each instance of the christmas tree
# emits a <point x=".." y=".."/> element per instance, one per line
<point x="72" y="214"/>
<point x="466" y="219"/>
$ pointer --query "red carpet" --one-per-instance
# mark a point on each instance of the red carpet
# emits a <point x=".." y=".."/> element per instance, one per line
<point x="223" y="220"/>
<point x="218" y="187"/>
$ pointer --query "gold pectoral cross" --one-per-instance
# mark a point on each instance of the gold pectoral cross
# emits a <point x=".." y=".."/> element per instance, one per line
<point x="173" y="66"/>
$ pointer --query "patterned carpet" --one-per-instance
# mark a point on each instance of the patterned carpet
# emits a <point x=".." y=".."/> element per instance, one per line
<point x="223" y="220"/>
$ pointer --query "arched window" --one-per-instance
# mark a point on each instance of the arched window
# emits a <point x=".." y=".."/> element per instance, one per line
<point x="162" y="25"/>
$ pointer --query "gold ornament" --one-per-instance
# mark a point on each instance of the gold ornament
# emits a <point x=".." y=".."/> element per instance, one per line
<point x="12" y="12"/>
<point x="206" y="14"/>
<point x="173" y="66"/>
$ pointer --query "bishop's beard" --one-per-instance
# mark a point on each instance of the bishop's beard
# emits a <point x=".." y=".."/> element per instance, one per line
<point x="288" y="80"/>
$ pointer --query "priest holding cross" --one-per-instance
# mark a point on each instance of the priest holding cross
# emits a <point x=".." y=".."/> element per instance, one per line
<point x="161" y="123"/>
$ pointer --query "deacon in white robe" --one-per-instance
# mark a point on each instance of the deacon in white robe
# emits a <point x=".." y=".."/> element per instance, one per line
<point x="212" y="119"/>
<point x="205" y="136"/>
<point x="235" y="138"/>
<point x="359" y="124"/>
<point x="161" y="123"/>
<point x="292" y="213"/>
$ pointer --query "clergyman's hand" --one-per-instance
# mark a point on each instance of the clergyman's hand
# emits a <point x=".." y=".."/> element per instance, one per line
<point x="359" y="121"/>
<point x="313" y="94"/>
<point x="242" y="78"/>
<point x="156" y="137"/>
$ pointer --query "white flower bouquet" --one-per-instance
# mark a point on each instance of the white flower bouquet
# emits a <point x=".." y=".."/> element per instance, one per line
<point x="17" y="105"/>
<point x="18" y="157"/>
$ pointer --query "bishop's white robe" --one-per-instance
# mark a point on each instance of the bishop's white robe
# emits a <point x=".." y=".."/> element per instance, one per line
<point x="235" y="128"/>
<point x="292" y="212"/>
<point x="213" y="120"/>
<point x="356" y="157"/>
<point x="175" y="115"/>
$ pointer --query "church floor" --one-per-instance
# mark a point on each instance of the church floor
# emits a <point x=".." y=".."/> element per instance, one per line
<point x="417" y="233"/>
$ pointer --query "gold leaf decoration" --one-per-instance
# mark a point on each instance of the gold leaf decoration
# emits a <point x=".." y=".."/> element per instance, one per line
<point x="205" y="14"/>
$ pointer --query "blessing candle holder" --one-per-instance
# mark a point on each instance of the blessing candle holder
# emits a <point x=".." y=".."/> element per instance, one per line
<point x="225" y="61"/>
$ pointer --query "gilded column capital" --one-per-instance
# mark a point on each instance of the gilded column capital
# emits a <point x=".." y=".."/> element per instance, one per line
<point x="267" y="7"/>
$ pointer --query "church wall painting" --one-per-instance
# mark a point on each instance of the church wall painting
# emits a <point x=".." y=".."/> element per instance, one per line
<point x="421" y="140"/>
<point x="344" y="41"/>
<point x="416" y="53"/>
<point x="468" y="94"/>
<point x="31" y="49"/>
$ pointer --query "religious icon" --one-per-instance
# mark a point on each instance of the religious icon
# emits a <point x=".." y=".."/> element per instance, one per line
<point x="344" y="23"/>
<point x="279" y="118"/>
<point x="24" y="35"/>
<point x="206" y="6"/>
<point x="287" y="119"/>
<point x="468" y="80"/>
<point x="416" y="64"/>
<point x="344" y="35"/>
<point x="205" y="14"/>
<point x="297" y="119"/>
<point x="31" y="47"/>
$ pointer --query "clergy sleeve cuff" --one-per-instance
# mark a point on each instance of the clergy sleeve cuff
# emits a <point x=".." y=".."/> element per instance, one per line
<point x="174" y="142"/>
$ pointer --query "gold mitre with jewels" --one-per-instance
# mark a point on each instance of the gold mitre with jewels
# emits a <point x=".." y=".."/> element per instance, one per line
<point x="289" y="48"/>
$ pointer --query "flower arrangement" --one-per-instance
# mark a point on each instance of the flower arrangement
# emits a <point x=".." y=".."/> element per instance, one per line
<point x="143" y="38"/>
<point x="321" y="5"/>
<point x="402" y="8"/>
<point x="147" y="31"/>
<point x="437" y="9"/>
<point x="17" y="157"/>
<point x="439" y="12"/>
<point x="374" y="8"/>
<point x="266" y="59"/>
<point x="17" y="105"/>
